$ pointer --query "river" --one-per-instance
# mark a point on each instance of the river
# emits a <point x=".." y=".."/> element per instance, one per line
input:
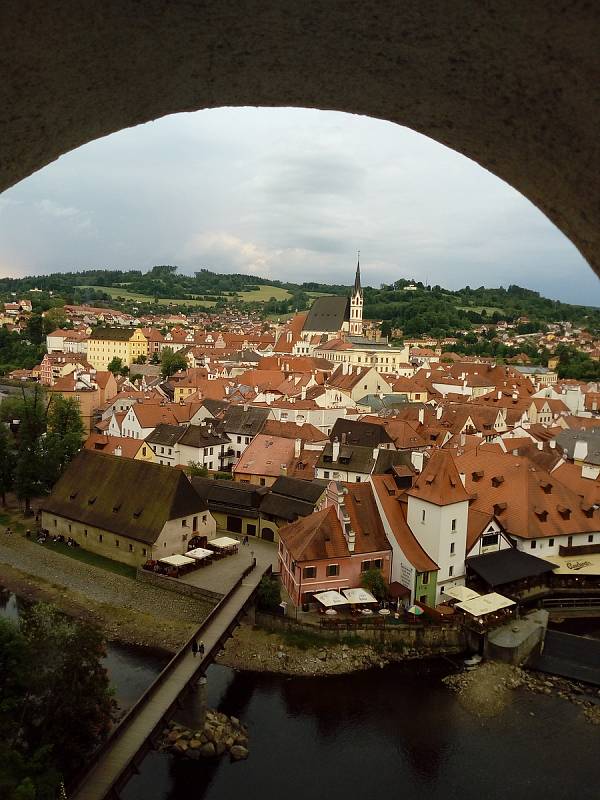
<point x="393" y="732"/>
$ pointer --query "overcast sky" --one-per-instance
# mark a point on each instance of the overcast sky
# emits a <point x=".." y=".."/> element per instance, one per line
<point x="288" y="194"/>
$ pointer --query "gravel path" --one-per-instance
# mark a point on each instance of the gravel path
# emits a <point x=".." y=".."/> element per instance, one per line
<point x="126" y="608"/>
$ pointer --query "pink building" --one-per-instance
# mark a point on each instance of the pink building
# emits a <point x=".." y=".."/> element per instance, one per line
<point x="332" y="548"/>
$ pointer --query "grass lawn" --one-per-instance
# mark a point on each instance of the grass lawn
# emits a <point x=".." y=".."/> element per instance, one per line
<point x="117" y="292"/>
<point x="264" y="293"/>
<point x="79" y="554"/>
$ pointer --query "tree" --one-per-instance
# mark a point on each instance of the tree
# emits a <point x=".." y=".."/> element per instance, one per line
<point x="64" y="437"/>
<point x="35" y="329"/>
<point x="268" y="594"/>
<point x="30" y="467"/>
<point x="57" y="704"/>
<point x="196" y="469"/>
<point x="8" y="462"/>
<point x="171" y="362"/>
<point x="155" y="359"/>
<point x="116" y="366"/>
<point x="141" y="359"/>
<point x="373" y="581"/>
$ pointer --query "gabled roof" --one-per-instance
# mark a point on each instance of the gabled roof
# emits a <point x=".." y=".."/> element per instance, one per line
<point x="122" y="495"/>
<point x="202" y="436"/>
<point x="440" y="481"/>
<point x="244" y="420"/>
<point x="352" y="458"/>
<point x="113" y="334"/>
<point x="167" y="435"/>
<point x="315" y="537"/>
<point x="328" y="314"/>
<point x="367" y="434"/>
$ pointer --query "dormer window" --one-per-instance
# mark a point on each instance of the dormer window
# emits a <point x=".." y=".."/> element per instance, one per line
<point x="540" y="513"/>
<point x="497" y="480"/>
<point x="116" y="508"/>
<point x="477" y="475"/>
<point x="91" y="501"/>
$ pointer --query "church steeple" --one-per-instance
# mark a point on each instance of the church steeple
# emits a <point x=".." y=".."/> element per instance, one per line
<point x="356" y="304"/>
<point x="357" y="286"/>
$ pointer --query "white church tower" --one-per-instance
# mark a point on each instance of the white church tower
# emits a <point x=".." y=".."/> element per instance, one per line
<point x="356" y="305"/>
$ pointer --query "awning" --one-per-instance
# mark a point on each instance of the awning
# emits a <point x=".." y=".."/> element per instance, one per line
<point x="588" y="564"/>
<point x="176" y="561"/>
<point x="222" y="542"/>
<point x="330" y="599"/>
<point x="461" y="593"/>
<point x="507" y="566"/>
<point x="397" y="590"/>
<point x="354" y="596"/>
<point x="485" y="604"/>
<point x="199" y="553"/>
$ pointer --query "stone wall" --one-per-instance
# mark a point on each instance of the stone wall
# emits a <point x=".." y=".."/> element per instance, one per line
<point x="174" y="585"/>
<point x="418" y="637"/>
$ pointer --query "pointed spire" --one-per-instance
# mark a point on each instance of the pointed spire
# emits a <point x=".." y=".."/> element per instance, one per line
<point x="357" y="286"/>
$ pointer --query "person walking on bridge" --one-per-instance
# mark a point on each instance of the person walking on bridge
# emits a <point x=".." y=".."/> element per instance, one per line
<point x="195" y="648"/>
<point x="201" y="648"/>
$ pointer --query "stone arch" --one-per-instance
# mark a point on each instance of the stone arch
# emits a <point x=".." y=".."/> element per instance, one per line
<point x="515" y="87"/>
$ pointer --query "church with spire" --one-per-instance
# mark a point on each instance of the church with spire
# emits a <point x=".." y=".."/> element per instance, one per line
<point x="334" y="315"/>
<point x="333" y="329"/>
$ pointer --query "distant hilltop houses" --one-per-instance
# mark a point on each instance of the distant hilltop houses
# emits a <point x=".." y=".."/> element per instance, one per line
<point x="450" y="477"/>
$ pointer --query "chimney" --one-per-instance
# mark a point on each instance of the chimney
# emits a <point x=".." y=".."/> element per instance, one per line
<point x="580" y="451"/>
<point x="375" y="453"/>
<point x="421" y="416"/>
<point x="499" y="395"/>
<point x="283" y="469"/>
<point x="463" y="441"/>
<point x="438" y="412"/>
<point x="540" y="445"/>
<point x="463" y="478"/>
<point x="336" y="449"/>
<point x="351" y="539"/>
<point x="416" y="458"/>
<point x="297" y="447"/>
<point x="303" y="393"/>
<point x="344" y="368"/>
<point x="245" y="407"/>
<point x="552" y="444"/>
<point x="118" y="451"/>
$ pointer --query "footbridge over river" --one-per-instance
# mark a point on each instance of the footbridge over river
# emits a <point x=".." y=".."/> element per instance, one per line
<point x="120" y="755"/>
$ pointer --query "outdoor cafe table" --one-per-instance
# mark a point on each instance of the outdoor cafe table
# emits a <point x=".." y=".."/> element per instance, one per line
<point x="224" y="543"/>
<point x="199" y="553"/>
<point x="177" y="562"/>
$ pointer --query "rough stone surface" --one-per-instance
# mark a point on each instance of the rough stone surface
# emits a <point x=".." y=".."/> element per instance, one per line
<point x="513" y="86"/>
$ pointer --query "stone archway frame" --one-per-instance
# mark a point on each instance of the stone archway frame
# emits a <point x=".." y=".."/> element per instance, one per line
<point x="513" y="86"/>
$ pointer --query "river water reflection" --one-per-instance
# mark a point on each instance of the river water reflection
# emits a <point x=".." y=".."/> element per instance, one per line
<point x="393" y="732"/>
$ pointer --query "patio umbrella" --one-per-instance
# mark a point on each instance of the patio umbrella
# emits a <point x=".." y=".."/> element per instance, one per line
<point x="416" y="610"/>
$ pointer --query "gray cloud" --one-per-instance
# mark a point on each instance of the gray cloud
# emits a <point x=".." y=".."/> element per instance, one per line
<point x="290" y="194"/>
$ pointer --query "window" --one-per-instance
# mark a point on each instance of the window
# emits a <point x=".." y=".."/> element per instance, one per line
<point x="251" y="529"/>
<point x="143" y="451"/>
<point x="550" y="542"/>
<point x="332" y="570"/>
<point x="169" y="451"/>
<point x="590" y="537"/>
<point x="489" y="540"/>
<point x="358" y="479"/>
<point x="183" y="523"/>
<point x="453" y="526"/>
<point x="309" y="572"/>
<point x="450" y="571"/>
<point x="533" y="544"/>
<point x="204" y="517"/>
<point x="100" y="537"/>
<point x="423" y="599"/>
<point x="69" y="528"/>
<point x="262" y="481"/>
<point x="55" y="523"/>
<point x="570" y="541"/>
<point x="377" y="564"/>
<point x="325" y="475"/>
<point x="365" y="566"/>
<point x="116" y="542"/>
<point x="424" y="578"/>
<point x="143" y="551"/>
<point x="239" y="439"/>
<point x="162" y="450"/>
<point x="452" y="549"/>
<point x="131" y="548"/>
<point x="85" y="532"/>
<point x="423" y="515"/>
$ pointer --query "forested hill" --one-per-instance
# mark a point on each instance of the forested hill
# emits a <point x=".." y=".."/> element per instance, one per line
<point x="411" y="306"/>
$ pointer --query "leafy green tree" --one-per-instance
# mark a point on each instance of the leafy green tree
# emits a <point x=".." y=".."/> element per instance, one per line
<point x="64" y="437"/>
<point x="56" y="704"/>
<point x="373" y="581"/>
<point x="35" y="329"/>
<point x="155" y="358"/>
<point x="268" y="594"/>
<point x="8" y="461"/>
<point x="141" y="359"/>
<point x="30" y="467"/>
<point x="196" y="469"/>
<point x="116" y="366"/>
<point x="171" y="362"/>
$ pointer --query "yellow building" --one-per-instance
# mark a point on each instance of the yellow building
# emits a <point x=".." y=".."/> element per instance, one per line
<point x="105" y="344"/>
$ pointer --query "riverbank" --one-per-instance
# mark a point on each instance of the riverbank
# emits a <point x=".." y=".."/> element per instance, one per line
<point x="255" y="649"/>
<point x="489" y="689"/>
<point x="126" y="610"/>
